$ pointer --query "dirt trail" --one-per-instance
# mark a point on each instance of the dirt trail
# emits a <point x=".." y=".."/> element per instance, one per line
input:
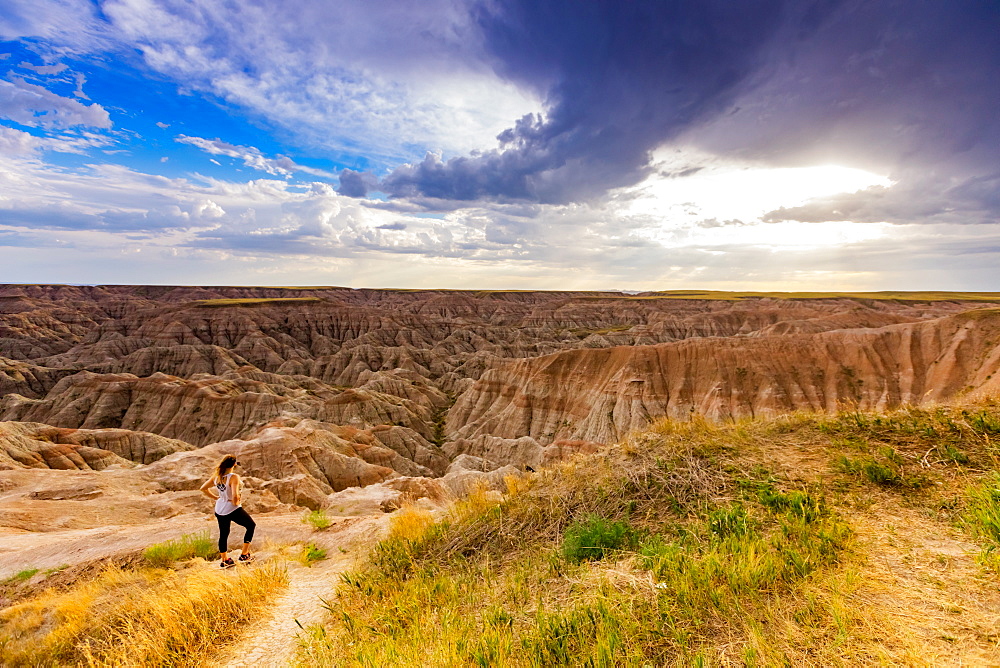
<point x="273" y="640"/>
<point x="923" y="576"/>
<point x="919" y="573"/>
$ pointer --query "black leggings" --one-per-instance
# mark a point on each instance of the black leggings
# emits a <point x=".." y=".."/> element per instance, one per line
<point x="240" y="517"/>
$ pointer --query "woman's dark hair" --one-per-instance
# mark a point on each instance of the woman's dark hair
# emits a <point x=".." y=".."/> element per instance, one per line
<point x="227" y="463"/>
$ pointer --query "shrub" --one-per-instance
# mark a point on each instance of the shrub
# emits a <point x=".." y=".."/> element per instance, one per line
<point x="317" y="518"/>
<point x="410" y="522"/>
<point x="312" y="553"/>
<point x="186" y="547"/>
<point x="593" y="537"/>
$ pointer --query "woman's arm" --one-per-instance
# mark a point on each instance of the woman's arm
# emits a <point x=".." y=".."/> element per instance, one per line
<point x="237" y="488"/>
<point x="208" y="485"/>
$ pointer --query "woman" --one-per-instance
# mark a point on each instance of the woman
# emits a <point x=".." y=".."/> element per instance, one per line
<point x="228" y="509"/>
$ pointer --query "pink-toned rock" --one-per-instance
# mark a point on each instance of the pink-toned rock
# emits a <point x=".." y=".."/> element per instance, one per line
<point x="419" y="488"/>
<point x="28" y="445"/>
<point x="332" y="388"/>
<point x="562" y="450"/>
<point x="299" y="490"/>
<point x="602" y="395"/>
<point x="463" y="482"/>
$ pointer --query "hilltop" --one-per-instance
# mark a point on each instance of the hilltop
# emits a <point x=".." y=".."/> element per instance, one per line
<point x="858" y="538"/>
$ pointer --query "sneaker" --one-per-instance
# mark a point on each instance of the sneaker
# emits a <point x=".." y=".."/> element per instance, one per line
<point x="246" y="558"/>
<point x="228" y="563"/>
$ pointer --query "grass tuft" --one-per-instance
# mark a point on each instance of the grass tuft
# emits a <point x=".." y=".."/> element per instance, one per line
<point x="593" y="538"/>
<point x="982" y="517"/>
<point x="188" y="546"/>
<point x="23" y="576"/>
<point x="318" y="519"/>
<point x="870" y="469"/>
<point x="311" y="553"/>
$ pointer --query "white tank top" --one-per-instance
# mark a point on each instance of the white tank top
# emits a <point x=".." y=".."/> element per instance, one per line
<point x="224" y="504"/>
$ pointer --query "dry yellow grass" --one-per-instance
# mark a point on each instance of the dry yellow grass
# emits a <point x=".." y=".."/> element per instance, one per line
<point x="138" y="618"/>
<point x="410" y="522"/>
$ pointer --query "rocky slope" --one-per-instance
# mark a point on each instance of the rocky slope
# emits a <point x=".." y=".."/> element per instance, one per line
<point x="323" y="391"/>
<point x="600" y="395"/>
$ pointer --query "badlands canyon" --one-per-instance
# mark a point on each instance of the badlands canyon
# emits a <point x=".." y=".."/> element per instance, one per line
<point x="115" y="401"/>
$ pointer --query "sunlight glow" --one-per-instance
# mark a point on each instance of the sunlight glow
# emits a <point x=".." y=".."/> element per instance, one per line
<point x="745" y="193"/>
<point x="790" y="235"/>
<point x="721" y="205"/>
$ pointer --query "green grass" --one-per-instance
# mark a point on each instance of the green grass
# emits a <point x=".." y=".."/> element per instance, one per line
<point x="593" y="537"/>
<point x="870" y="469"/>
<point x="532" y="580"/>
<point x="952" y="454"/>
<point x="741" y="558"/>
<point x="253" y="301"/>
<point x="317" y="519"/>
<point x="982" y="517"/>
<point x="187" y="546"/>
<point x="311" y="553"/>
<point x="23" y="576"/>
<point x="901" y="446"/>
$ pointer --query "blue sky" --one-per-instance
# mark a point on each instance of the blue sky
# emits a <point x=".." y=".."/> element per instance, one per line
<point x="815" y="144"/>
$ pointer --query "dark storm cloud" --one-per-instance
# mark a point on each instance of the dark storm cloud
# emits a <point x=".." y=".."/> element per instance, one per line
<point x="356" y="184"/>
<point x="887" y="84"/>
<point x="617" y="78"/>
<point x="868" y="83"/>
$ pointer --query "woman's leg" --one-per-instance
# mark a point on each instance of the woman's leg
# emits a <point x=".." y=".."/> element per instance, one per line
<point x="242" y="518"/>
<point x="225" y="521"/>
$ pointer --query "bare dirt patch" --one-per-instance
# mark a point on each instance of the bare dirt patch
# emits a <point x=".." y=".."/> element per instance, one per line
<point x="922" y="574"/>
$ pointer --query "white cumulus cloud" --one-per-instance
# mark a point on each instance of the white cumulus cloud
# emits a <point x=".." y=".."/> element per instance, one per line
<point x="392" y="80"/>
<point x="44" y="69"/>
<point x="251" y="157"/>
<point x="32" y="105"/>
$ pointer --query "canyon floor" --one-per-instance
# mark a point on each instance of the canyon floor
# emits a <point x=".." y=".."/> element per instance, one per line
<point x="116" y="401"/>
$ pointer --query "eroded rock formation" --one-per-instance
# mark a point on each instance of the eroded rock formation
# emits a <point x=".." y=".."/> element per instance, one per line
<point x="601" y="395"/>
<point x="424" y="394"/>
